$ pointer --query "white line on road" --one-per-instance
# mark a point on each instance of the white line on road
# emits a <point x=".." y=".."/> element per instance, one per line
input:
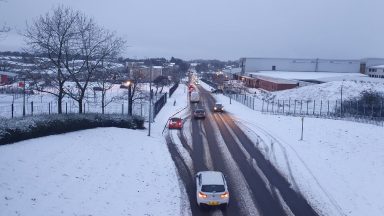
<point x="243" y="192"/>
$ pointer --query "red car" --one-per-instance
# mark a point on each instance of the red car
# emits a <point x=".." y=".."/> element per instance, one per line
<point x="175" y="123"/>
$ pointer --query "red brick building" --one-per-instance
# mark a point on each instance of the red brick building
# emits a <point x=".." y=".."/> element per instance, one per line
<point x="268" y="83"/>
<point x="7" y="78"/>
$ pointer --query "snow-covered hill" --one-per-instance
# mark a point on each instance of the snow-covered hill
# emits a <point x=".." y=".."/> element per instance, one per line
<point x="327" y="91"/>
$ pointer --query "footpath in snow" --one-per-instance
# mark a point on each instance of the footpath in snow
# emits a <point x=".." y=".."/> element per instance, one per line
<point x="337" y="166"/>
<point x="103" y="171"/>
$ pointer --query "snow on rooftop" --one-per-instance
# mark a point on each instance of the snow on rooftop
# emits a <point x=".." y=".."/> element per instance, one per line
<point x="273" y="79"/>
<point x="378" y="66"/>
<point x="212" y="178"/>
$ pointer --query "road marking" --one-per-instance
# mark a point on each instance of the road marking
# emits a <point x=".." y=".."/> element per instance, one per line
<point x="244" y="196"/>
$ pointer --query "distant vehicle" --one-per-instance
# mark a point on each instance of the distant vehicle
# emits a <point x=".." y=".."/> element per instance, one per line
<point x="197" y="82"/>
<point x="175" y="123"/>
<point x="229" y="91"/>
<point x="199" y="113"/>
<point x="217" y="91"/>
<point x="211" y="189"/>
<point x="195" y="97"/>
<point x="218" y="107"/>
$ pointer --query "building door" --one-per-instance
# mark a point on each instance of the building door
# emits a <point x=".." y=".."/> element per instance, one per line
<point x="273" y="67"/>
<point x="362" y="68"/>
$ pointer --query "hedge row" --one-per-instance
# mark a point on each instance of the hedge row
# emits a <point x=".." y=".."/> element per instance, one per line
<point x="15" y="130"/>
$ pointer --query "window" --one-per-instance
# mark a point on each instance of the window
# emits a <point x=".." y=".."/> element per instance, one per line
<point x="213" y="188"/>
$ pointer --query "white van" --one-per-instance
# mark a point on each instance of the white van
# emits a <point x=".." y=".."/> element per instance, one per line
<point x="195" y="97"/>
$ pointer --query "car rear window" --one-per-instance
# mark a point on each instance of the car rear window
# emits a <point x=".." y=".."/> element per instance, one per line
<point x="175" y="119"/>
<point x="212" y="188"/>
<point x="199" y="111"/>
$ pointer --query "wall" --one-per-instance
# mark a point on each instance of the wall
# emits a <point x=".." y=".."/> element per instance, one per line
<point x="300" y="65"/>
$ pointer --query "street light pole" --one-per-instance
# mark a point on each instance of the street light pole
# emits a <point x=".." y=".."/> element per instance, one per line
<point x="341" y="99"/>
<point x="23" y="96"/>
<point x="130" y="99"/>
<point x="150" y="102"/>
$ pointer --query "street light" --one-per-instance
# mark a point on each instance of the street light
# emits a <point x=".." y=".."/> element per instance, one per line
<point x="128" y="84"/>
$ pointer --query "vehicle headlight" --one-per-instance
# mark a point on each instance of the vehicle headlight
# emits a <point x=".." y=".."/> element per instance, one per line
<point x="202" y="195"/>
<point x="224" y="195"/>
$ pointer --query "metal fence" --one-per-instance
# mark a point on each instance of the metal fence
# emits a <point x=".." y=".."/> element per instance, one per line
<point x="159" y="104"/>
<point x="173" y="89"/>
<point x="335" y="109"/>
<point x="38" y="108"/>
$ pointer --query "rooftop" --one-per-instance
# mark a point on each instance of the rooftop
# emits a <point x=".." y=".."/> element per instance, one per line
<point x="212" y="178"/>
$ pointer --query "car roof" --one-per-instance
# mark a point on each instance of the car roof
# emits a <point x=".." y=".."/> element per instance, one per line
<point x="211" y="178"/>
<point x="175" y="118"/>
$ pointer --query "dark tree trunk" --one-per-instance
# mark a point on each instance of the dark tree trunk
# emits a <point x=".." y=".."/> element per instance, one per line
<point x="102" y="101"/>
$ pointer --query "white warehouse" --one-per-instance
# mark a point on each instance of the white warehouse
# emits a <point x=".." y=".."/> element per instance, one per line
<point x="301" y="65"/>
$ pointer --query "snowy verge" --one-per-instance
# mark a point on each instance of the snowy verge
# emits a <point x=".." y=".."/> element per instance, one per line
<point x="103" y="171"/>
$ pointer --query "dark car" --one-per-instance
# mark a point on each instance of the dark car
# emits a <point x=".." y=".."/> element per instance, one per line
<point x="199" y="113"/>
<point x="218" y="108"/>
<point x="217" y="91"/>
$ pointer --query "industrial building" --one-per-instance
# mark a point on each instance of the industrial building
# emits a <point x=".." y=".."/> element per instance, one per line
<point x="261" y="72"/>
<point x="376" y="71"/>
<point x="249" y="65"/>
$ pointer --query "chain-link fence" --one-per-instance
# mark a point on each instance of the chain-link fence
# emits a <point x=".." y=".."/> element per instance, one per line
<point x="336" y="109"/>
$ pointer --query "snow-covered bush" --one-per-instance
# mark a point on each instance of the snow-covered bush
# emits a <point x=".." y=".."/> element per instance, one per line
<point x="14" y="130"/>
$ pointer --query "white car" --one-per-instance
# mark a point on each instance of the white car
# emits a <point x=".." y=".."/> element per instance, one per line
<point x="211" y="189"/>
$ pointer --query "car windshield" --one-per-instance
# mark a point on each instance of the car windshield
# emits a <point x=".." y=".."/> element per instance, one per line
<point x="199" y="111"/>
<point x="175" y="119"/>
<point x="212" y="188"/>
<point x="219" y="105"/>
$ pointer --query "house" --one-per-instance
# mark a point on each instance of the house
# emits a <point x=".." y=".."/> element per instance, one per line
<point x="7" y="77"/>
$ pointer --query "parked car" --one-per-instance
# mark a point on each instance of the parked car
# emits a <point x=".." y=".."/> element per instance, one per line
<point x="218" y="107"/>
<point x="175" y="123"/>
<point x="211" y="189"/>
<point x="199" y="113"/>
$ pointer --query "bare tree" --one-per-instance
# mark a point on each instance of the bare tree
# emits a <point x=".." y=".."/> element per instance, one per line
<point x="105" y="80"/>
<point x="93" y="45"/>
<point x="50" y="35"/>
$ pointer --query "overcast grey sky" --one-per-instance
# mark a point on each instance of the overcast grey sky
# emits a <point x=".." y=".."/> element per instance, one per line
<point x="224" y="29"/>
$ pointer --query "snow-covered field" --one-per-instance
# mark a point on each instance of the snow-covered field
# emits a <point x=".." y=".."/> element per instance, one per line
<point x="337" y="166"/>
<point x="104" y="171"/>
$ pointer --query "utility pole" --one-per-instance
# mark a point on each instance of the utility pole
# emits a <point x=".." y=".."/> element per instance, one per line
<point x="23" y="96"/>
<point x="302" y="128"/>
<point x="341" y="99"/>
<point x="150" y="101"/>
